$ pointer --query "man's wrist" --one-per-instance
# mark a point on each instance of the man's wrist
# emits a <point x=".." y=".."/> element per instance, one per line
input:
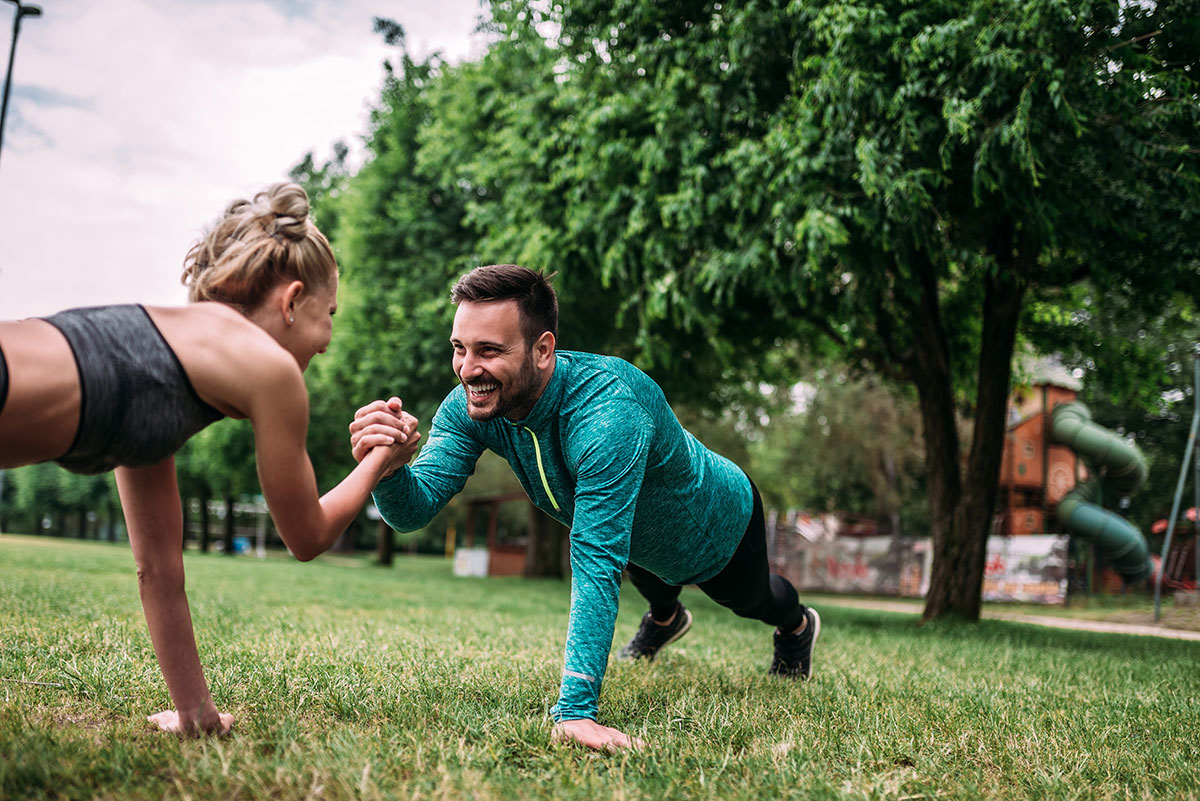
<point x="558" y="716"/>
<point x="387" y="476"/>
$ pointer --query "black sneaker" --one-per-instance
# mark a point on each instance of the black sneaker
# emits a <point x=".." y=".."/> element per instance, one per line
<point x="793" y="652"/>
<point x="651" y="637"/>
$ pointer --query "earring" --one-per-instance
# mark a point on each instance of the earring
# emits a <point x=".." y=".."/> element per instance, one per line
<point x="291" y="319"/>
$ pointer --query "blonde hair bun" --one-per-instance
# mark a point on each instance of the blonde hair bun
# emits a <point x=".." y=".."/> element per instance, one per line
<point x="255" y="245"/>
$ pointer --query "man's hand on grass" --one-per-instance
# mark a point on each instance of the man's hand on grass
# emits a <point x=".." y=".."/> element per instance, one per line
<point x="593" y="735"/>
<point x="218" y="723"/>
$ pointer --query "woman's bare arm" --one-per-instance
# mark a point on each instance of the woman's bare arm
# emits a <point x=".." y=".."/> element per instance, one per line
<point x="308" y="522"/>
<point x="150" y="499"/>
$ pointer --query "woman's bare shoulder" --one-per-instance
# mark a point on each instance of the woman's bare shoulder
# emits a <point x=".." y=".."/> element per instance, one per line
<point x="227" y="357"/>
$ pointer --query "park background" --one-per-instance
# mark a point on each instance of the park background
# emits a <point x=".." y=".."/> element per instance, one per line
<point x="832" y="231"/>
<point x="839" y="238"/>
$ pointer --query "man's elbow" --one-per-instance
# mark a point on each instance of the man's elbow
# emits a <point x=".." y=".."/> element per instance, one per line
<point x="402" y="521"/>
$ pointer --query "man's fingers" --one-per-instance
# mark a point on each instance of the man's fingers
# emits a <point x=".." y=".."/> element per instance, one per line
<point x="592" y="735"/>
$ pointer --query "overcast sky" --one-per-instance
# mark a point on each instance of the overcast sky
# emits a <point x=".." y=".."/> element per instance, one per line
<point x="132" y="123"/>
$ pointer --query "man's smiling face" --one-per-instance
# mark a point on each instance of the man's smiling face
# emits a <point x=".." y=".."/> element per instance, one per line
<point x="493" y="361"/>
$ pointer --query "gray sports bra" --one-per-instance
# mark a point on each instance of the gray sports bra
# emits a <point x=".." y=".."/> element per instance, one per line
<point x="137" y="405"/>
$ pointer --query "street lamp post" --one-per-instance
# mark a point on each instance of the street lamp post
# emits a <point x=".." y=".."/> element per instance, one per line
<point x="23" y="10"/>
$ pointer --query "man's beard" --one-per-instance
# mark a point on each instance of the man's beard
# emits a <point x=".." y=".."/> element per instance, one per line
<point x="519" y="396"/>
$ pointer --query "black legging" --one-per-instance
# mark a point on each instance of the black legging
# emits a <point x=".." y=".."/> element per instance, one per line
<point x="744" y="585"/>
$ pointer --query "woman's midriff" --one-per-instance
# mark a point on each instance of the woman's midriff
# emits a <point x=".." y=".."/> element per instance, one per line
<point x="41" y="413"/>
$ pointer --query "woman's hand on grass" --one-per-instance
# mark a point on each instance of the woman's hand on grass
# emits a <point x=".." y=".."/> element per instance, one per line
<point x="210" y="722"/>
<point x="593" y="735"/>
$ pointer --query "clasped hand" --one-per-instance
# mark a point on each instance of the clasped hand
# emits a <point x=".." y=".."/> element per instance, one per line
<point x="384" y="423"/>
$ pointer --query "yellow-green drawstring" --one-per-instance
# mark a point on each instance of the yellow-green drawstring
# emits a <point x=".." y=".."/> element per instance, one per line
<point x="537" y="452"/>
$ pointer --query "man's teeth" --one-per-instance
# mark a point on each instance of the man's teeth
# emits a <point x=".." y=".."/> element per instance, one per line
<point x="481" y="389"/>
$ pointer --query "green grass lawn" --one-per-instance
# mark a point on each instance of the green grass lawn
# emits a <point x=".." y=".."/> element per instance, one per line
<point x="354" y="681"/>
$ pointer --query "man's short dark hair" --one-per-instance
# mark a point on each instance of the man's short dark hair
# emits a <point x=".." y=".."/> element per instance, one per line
<point x="531" y="290"/>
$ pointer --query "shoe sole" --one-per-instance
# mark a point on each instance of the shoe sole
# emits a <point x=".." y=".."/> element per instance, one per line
<point x="687" y="624"/>
<point x="815" y="622"/>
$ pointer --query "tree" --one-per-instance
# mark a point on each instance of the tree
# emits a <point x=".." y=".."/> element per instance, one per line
<point x="853" y="446"/>
<point x="1140" y="377"/>
<point x="558" y="175"/>
<point x="896" y="179"/>
<point x="401" y="244"/>
<point x="222" y="455"/>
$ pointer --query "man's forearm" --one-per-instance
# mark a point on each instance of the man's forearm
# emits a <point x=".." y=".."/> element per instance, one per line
<point x="401" y="502"/>
<point x="589" y="639"/>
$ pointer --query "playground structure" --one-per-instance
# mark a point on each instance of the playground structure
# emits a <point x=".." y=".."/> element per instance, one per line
<point x="1059" y="469"/>
<point x="1125" y="471"/>
<point x="1035" y="474"/>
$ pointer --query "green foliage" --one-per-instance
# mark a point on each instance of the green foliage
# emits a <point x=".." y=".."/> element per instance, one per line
<point x="892" y="176"/>
<point x="829" y="157"/>
<point x="219" y="459"/>
<point x="401" y="245"/>
<point x="854" y="446"/>
<point x="70" y="504"/>
<point x="351" y="682"/>
<point x="839" y="441"/>
<point x="567" y="176"/>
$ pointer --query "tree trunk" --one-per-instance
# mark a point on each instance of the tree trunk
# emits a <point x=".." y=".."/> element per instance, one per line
<point x="544" y="553"/>
<point x="963" y="519"/>
<point x="385" y="545"/>
<point x="931" y="365"/>
<point x="202" y="543"/>
<point x="185" y="508"/>
<point x="229" y="525"/>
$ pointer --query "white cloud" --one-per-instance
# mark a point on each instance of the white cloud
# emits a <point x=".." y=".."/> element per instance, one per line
<point x="132" y="123"/>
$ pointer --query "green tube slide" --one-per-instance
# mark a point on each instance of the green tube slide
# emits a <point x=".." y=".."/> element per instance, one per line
<point x="1124" y="471"/>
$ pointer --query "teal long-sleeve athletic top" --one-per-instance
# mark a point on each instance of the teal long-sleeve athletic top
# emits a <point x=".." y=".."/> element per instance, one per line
<point x="602" y="452"/>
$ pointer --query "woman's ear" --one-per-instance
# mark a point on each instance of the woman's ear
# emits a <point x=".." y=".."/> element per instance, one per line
<point x="289" y="298"/>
